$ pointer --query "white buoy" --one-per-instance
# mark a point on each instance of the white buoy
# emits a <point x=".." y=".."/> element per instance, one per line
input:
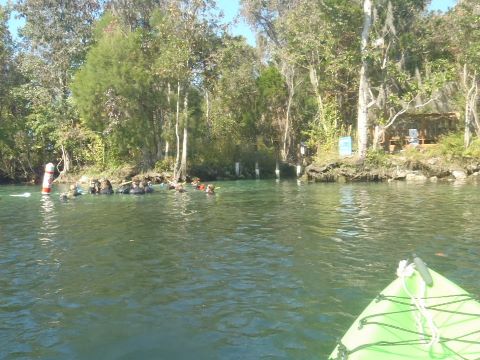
<point x="237" y="169"/>
<point x="48" y="179"/>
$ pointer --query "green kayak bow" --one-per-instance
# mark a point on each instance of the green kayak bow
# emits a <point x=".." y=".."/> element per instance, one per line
<point x="420" y="315"/>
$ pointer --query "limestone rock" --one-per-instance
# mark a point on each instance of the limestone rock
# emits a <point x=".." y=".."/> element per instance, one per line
<point x="414" y="177"/>
<point x="459" y="174"/>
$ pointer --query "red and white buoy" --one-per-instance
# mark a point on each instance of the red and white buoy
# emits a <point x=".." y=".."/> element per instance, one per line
<point x="48" y="179"/>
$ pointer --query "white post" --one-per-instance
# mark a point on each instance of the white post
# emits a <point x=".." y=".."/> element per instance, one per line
<point x="299" y="170"/>
<point x="277" y="171"/>
<point x="237" y="169"/>
<point x="257" y="170"/>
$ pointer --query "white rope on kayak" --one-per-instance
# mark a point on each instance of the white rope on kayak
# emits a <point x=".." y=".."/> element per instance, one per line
<point x="405" y="270"/>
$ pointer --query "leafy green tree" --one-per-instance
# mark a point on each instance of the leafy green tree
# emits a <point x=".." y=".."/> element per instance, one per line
<point x="465" y="42"/>
<point x="398" y="77"/>
<point x="315" y="55"/>
<point x="327" y="61"/>
<point x="266" y="17"/>
<point x="18" y="150"/>
<point x="56" y="36"/>
<point x="272" y="98"/>
<point x="113" y="94"/>
<point x="182" y="36"/>
<point x="234" y="110"/>
<point x="151" y="73"/>
<point x="134" y="14"/>
<point x="7" y="125"/>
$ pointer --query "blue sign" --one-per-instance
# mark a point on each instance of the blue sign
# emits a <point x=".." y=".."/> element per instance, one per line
<point x="413" y="134"/>
<point x="345" y="146"/>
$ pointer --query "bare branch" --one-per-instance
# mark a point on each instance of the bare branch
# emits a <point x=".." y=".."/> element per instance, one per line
<point x="392" y="120"/>
<point x="474" y="107"/>
<point x="404" y="110"/>
<point x="425" y="104"/>
<point x="373" y="101"/>
<point x="385" y="58"/>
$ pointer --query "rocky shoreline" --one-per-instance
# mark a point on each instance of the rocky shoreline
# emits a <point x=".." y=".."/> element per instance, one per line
<point x="395" y="169"/>
<point x="386" y="169"/>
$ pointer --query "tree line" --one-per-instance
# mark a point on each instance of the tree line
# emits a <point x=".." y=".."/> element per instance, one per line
<point x="163" y="84"/>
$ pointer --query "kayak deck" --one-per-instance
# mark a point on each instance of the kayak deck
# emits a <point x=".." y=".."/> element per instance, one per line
<point x="410" y="320"/>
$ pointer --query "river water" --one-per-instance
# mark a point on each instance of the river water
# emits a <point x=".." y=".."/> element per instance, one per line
<point x="262" y="270"/>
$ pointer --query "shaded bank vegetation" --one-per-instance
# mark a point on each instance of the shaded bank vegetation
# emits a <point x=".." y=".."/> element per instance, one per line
<point x="162" y="85"/>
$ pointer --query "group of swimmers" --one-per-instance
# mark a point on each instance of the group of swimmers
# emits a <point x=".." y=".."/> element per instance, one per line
<point x="103" y="187"/>
<point x="134" y="187"/>
<point x="197" y="185"/>
<point x="209" y="189"/>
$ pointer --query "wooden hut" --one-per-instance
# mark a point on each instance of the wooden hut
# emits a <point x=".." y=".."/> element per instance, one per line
<point x="429" y="128"/>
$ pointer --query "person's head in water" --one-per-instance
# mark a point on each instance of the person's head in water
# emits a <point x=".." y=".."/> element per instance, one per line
<point x="179" y="188"/>
<point x="72" y="192"/>
<point x="106" y="184"/>
<point x="94" y="187"/>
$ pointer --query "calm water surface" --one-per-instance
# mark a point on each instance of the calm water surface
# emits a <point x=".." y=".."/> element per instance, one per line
<point x="262" y="270"/>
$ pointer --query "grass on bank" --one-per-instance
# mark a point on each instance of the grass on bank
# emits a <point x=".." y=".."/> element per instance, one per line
<point x="450" y="148"/>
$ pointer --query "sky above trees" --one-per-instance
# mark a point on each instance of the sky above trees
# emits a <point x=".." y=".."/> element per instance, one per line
<point x="231" y="8"/>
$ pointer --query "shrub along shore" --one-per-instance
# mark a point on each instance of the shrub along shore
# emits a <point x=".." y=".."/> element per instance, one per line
<point x="380" y="168"/>
<point x="445" y="161"/>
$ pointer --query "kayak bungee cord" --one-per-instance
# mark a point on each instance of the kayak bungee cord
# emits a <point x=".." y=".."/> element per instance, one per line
<point x="405" y="270"/>
<point x="425" y="333"/>
<point x="466" y="297"/>
<point x="343" y="352"/>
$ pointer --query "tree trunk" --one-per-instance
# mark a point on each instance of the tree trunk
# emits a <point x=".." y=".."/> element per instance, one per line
<point x="168" y="122"/>
<point x="158" y="120"/>
<point x="315" y="85"/>
<point x="378" y="136"/>
<point x="289" y="74"/>
<point x="66" y="164"/>
<point x="183" y="165"/>
<point x="286" y="134"/>
<point x="66" y="160"/>
<point x="167" y="149"/>
<point x="362" y="116"/>
<point x="177" y="121"/>
<point x="207" y="113"/>
<point x="467" y="135"/>
<point x="470" y="102"/>
<point x="475" y="111"/>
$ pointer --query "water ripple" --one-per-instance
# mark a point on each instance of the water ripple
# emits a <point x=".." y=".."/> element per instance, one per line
<point x="261" y="270"/>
